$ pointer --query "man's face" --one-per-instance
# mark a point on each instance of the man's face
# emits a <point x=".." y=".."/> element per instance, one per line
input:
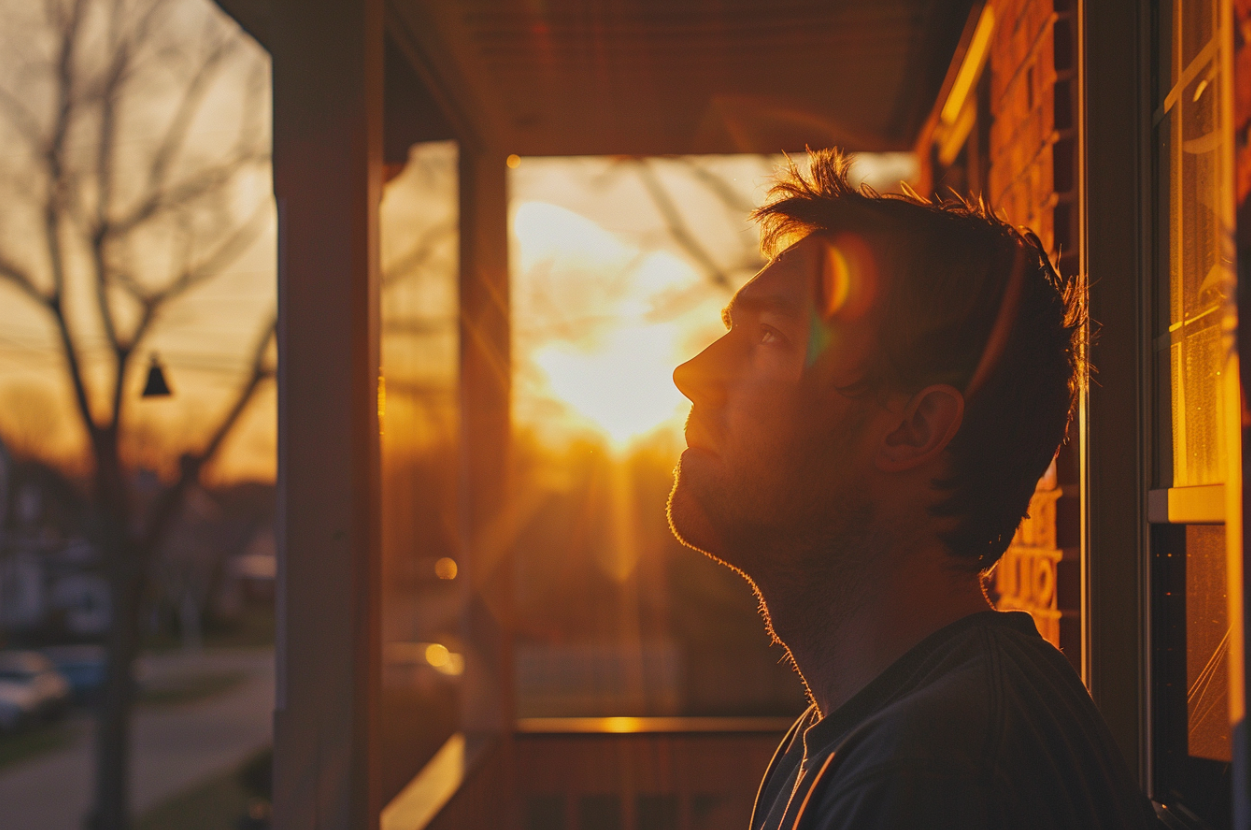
<point x="776" y="453"/>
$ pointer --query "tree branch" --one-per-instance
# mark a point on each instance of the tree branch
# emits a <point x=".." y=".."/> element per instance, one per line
<point x="74" y="367"/>
<point x="244" y="235"/>
<point x="22" y="119"/>
<point x="179" y="126"/>
<point x="18" y="277"/>
<point x="202" y="183"/>
<point x="56" y="145"/>
<point x="677" y="226"/>
<point x="728" y="196"/>
<point x="166" y="508"/>
<point x="418" y="255"/>
<point x="259" y="372"/>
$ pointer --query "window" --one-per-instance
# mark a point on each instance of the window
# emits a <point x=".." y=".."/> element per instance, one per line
<point x="1196" y="417"/>
<point x="422" y="660"/>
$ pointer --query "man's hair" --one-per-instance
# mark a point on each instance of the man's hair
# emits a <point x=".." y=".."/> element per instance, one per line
<point x="968" y="300"/>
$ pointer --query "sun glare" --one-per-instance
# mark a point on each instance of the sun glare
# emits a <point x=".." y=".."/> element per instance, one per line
<point x="623" y="388"/>
<point x="600" y="323"/>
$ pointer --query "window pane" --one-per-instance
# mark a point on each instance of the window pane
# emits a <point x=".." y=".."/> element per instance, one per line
<point x="1192" y="170"/>
<point x="1190" y="735"/>
<point x="1196" y="19"/>
<point x="1207" y="643"/>
<point x="418" y="416"/>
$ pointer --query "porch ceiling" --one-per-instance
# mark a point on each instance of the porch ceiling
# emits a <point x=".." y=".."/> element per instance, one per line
<point x="568" y="77"/>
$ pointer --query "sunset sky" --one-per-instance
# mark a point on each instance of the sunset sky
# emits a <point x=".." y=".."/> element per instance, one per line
<point x="606" y="301"/>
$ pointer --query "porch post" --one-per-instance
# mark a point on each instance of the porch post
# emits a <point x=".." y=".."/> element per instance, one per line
<point x="327" y="71"/>
<point x="1115" y="613"/>
<point x="486" y="376"/>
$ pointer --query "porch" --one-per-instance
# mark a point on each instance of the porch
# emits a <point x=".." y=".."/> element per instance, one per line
<point x="1011" y="99"/>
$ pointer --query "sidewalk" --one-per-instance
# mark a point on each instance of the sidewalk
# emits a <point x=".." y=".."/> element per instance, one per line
<point x="174" y="747"/>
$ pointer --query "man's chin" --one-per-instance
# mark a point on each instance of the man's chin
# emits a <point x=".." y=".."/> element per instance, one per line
<point x="693" y="528"/>
<point x="689" y="520"/>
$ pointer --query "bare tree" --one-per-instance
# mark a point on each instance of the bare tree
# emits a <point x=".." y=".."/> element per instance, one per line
<point x="732" y="199"/>
<point x="116" y="213"/>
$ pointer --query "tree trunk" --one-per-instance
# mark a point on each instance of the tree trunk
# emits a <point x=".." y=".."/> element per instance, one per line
<point x="126" y="567"/>
<point x="116" y="707"/>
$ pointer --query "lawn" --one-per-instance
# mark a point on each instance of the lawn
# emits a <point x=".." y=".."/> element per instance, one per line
<point x="217" y="804"/>
<point x="36" y="740"/>
<point x="189" y="688"/>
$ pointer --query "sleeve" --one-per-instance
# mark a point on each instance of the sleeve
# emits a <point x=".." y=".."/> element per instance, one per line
<point x="899" y="796"/>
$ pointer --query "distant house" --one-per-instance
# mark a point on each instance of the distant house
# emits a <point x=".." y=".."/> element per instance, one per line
<point x="51" y="585"/>
<point x="216" y="556"/>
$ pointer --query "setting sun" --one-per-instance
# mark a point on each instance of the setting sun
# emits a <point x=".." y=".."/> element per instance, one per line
<point x="624" y="387"/>
<point x="601" y="322"/>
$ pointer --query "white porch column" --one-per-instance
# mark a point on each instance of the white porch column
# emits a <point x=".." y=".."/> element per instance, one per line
<point x="328" y="72"/>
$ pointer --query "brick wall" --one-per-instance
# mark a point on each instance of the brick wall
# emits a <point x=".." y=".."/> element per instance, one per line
<point x="1032" y="179"/>
<point x="1033" y="134"/>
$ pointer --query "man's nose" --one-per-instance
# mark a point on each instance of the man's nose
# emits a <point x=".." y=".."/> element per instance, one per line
<point x="702" y="378"/>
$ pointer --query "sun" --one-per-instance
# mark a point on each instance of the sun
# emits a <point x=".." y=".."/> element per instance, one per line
<point x="624" y="387"/>
<point x="600" y="325"/>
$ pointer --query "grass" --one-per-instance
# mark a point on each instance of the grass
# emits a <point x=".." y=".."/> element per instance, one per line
<point x="216" y="804"/>
<point x="35" y="741"/>
<point x="190" y="688"/>
<point x="253" y="628"/>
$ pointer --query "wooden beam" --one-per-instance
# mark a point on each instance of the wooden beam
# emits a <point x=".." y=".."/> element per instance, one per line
<point x="328" y="71"/>
<point x="486" y="379"/>
<point x="1115" y="416"/>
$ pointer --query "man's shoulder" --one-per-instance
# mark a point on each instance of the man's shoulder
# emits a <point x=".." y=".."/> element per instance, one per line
<point x="989" y="720"/>
<point x="991" y="690"/>
<point x="947" y="707"/>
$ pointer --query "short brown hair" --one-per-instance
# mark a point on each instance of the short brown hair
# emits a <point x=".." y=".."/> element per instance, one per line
<point x="971" y="301"/>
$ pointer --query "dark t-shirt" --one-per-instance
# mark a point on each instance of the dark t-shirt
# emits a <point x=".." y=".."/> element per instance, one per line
<point x="982" y="725"/>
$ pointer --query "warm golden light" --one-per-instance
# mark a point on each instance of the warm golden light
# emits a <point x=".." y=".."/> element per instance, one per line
<point x="437" y="655"/>
<point x="623" y="387"/>
<point x="979" y="47"/>
<point x="443" y="660"/>
<point x="597" y="331"/>
<point x="621" y="724"/>
<point x="445" y="568"/>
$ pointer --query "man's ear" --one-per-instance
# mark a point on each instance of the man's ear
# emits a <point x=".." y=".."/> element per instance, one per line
<point x="926" y="426"/>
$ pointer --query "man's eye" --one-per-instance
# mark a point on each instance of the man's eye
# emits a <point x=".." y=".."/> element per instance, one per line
<point x="769" y="335"/>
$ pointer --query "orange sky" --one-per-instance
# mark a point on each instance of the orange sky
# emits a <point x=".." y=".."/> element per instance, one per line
<point x="606" y="302"/>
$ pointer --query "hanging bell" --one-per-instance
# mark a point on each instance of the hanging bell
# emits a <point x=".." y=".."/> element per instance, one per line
<point x="156" y="387"/>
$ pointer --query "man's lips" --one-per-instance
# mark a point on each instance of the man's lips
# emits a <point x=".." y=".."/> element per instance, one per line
<point x="698" y="437"/>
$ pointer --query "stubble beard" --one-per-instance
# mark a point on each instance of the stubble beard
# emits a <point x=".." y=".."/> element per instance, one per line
<point x="801" y="542"/>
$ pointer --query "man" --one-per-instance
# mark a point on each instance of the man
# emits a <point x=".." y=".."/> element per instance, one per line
<point x="862" y="444"/>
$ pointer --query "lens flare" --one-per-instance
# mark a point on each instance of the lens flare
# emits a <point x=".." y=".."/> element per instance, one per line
<point x="848" y="277"/>
<point x="836" y="280"/>
<point x="848" y="284"/>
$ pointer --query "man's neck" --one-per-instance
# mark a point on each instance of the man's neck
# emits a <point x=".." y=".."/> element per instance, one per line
<point x="843" y="636"/>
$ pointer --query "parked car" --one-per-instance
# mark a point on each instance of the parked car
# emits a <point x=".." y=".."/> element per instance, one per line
<point x="83" y="666"/>
<point x="31" y="689"/>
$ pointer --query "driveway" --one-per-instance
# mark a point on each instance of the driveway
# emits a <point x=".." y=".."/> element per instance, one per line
<point x="175" y="746"/>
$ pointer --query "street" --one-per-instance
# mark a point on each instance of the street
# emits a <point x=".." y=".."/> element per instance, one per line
<point x="176" y="746"/>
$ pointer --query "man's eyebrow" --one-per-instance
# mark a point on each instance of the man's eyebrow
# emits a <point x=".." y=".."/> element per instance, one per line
<point x="771" y="303"/>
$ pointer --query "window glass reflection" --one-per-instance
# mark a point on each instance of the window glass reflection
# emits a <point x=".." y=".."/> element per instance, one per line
<point x="421" y="648"/>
